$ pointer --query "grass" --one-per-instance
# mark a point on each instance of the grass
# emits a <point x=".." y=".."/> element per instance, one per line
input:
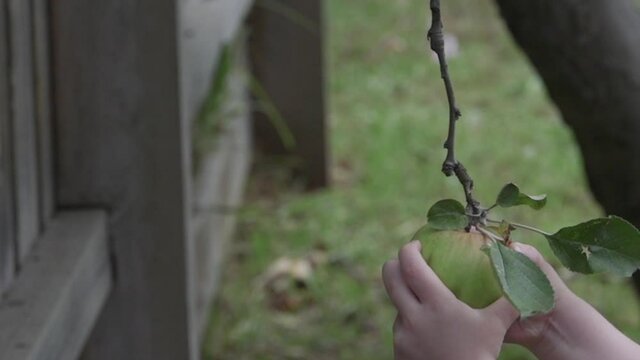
<point x="388" y="118"/>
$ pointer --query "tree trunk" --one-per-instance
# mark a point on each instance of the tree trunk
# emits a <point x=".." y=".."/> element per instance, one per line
<point x="588" y="54"/>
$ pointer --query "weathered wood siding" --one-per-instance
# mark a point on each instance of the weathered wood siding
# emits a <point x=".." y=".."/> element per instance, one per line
<point x="126" y="145"/>
<point x="23" y="116"/>
<point x="205" y="29"/>
<point x="128" y="79"/>
<point x="219" y="188"/>
<point x="42" y="101"/>
<point x="7" y="244"/>
<point x="221" y="192"/>
<point x="52" y="305"/>
<point x="26" y="199"/>
<point x="122" y="144"/>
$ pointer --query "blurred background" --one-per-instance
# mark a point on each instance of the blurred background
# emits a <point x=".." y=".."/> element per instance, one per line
<point x="224" y="179"/>
<point x="388" y="118"/>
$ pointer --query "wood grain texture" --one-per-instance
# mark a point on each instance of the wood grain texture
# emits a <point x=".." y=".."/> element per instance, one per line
<point x="125" y="144"/>
<point x="24" y="126"/>
<point x="287" y="52"/>
<point x="42" y="93"/>
<point x="7" y="244"/>
<point x="50" y="309"/>
<point x="122" y="143"/>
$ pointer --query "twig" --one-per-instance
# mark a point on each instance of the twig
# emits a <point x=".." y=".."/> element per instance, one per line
<point x="522" y="226"/>
<point x="451" y="165"/>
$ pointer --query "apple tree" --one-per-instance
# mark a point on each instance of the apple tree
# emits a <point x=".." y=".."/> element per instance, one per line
<point x="587" y="52"/>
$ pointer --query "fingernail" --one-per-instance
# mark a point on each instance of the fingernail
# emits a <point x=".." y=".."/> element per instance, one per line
<point x="418" y="244"/>
<point x="529" y="252"/>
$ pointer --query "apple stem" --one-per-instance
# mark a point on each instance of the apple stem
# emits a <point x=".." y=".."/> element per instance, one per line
<point x="450" y="166"/>
<point x="490" y="235"/>
<point x="522" y="226"/>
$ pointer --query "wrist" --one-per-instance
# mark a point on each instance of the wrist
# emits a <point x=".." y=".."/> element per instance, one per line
<point x="551" y="342"/>
<point x="545" y="334"/>
<point x="576" y="330"/>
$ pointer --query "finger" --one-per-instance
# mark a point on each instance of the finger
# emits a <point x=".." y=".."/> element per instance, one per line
<point x="399" y="293"/>
<point x="502" y="313"/>
<point x="420" y="277"/>
<point x="523" y="331"/>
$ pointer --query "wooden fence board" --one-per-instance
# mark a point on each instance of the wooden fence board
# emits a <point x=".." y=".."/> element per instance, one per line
<point x="219" y="186"/>
<point x="219" y="193"/>
<point x="54" y="302"/>
<point x="42" y="94"/>
<point x="287" y="42"/>
<point x="205" y="27"/>
<point x="7" y="249"/>
<point x="24" y="126"/>
<point x="121" y="142"/>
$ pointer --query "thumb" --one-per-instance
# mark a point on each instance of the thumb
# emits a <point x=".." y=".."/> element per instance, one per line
<point x="502" y="312"/>
<point x="529" y="331"/>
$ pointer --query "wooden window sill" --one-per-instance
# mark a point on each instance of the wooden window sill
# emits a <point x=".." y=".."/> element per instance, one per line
<point x="50" y="308"/>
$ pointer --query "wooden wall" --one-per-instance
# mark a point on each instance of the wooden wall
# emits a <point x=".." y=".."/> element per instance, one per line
<point x="123" y="145"/>
<point x="55" y="272"/>
<point x="111" y="242"/>
<point x="26" y="197"/>
<point x="218" y="183"/>
<point x="23" y="126"/>
<point x="50" y="309"/>
<point x="129" y="79"/>
<point x="6" y="164"/>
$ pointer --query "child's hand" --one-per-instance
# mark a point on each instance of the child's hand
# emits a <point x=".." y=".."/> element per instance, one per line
<point x="431" y="322"/>
<point x="572" y="330"/>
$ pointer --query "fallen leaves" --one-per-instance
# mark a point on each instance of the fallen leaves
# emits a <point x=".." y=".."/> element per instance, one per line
<point x="286" y="280"/>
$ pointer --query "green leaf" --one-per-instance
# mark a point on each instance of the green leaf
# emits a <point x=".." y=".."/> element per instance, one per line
<point x="522" y="281"/>
<point x="602" y="245"/>
<point x="510" y="195"/>
<point x="447" y="214"/>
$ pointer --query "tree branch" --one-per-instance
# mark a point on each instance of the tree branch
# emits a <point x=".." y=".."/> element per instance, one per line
<point x="450" y="166"/>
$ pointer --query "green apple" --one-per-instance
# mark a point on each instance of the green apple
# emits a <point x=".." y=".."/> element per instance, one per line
<point x="457" y="258"/>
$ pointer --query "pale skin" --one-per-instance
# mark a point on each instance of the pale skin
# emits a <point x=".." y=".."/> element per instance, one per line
<point x="433" y="324"/>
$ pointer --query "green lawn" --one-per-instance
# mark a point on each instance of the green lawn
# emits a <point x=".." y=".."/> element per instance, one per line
<point x="388" y="118"/>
